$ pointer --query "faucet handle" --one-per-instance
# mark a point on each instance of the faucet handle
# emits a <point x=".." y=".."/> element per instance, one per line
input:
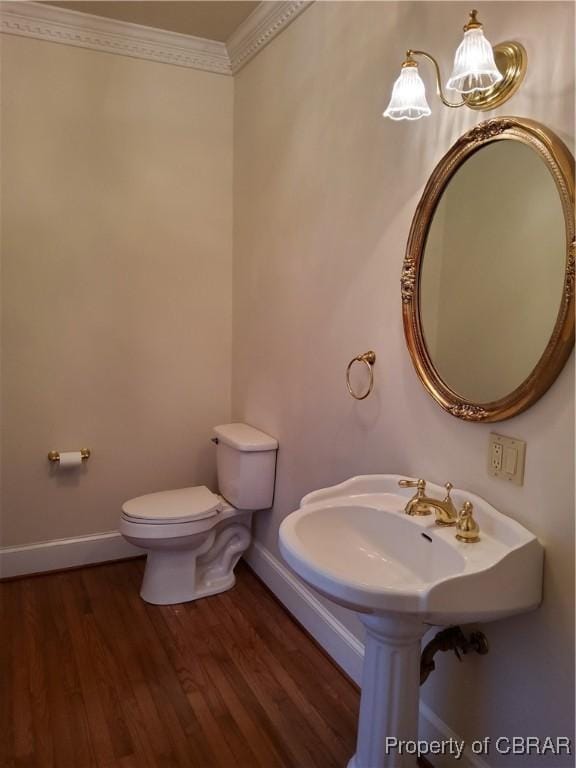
<point x="467" y="529"/>
<point x="417" y="504"/>
<point x="419" y="484"/>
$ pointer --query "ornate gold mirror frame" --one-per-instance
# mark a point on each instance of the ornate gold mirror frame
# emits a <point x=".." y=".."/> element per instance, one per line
<point x="561" y="164"/>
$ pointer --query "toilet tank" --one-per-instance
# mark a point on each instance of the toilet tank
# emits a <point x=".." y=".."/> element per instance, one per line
<point x="246" y="465"/>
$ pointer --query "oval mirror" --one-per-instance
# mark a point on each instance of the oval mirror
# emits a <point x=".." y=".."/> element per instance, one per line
<point x="488" y="277"/>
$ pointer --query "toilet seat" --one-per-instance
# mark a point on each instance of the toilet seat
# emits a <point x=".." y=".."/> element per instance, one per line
<point x="183" y="505"/>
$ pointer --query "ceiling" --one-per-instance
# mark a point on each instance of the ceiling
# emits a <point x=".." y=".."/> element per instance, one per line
<point x="214" y="20"/>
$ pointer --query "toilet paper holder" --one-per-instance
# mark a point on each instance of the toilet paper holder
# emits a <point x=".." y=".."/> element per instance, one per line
<point x="55" y="455"/>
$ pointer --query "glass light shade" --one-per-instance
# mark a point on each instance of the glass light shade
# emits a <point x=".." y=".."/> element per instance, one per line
<point x="474" y="65"/>
<point x="408" y="100"/>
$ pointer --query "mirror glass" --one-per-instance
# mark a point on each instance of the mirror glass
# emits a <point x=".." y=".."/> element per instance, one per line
<point x="492" y="271"/>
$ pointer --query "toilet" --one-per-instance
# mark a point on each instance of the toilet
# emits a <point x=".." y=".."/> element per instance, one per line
<point x="194" y="537"/>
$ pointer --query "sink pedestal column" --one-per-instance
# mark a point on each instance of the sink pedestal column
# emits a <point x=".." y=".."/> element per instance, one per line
<point x="390" y="691"/>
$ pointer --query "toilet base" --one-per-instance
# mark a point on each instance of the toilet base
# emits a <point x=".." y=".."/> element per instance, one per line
<point x="156" y="594"/>
<point x="204" y="567"/>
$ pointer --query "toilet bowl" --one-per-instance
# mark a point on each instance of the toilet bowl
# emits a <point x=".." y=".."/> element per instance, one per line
<point x="193" y="537"/>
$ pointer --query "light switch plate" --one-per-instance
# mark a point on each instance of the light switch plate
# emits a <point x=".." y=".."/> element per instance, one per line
<point x="506" y="457"/>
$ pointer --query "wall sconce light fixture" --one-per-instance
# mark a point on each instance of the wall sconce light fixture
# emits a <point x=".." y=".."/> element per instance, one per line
<point x="485" y="76"/>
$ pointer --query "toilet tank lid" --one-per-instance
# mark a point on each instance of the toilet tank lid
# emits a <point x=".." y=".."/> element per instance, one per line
<point x="243" y="437"/>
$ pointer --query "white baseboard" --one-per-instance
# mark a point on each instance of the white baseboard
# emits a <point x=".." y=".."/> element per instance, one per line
<point x="64" y="553"/>
<point x="343" y="647"/>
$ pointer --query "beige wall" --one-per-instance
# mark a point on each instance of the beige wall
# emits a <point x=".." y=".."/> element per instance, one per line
<point x="325" y="191"/>
<point x="117" y="227"/>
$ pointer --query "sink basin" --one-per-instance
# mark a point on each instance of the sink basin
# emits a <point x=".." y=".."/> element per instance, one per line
<point x="354" y="544"/>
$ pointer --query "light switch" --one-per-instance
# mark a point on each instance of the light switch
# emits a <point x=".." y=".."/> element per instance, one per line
<point x="506" y="457"/>
<point x="510" y="460"/>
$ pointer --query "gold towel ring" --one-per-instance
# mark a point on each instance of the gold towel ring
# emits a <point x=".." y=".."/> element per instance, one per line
<point x="368" y="358"/>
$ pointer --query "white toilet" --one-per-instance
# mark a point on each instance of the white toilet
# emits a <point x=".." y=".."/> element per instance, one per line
<point x="193" y="537"/>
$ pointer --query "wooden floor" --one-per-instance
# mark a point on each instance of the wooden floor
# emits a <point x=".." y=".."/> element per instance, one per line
<point x="93" y="676"/>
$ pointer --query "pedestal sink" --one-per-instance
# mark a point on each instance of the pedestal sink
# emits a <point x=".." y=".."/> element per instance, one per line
<point x="354" y="544"/>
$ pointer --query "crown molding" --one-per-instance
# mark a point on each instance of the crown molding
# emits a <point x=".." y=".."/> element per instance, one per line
<point x="60" y="25"/>
<point x="262" y="26"/>
<point x="83" y="30"/>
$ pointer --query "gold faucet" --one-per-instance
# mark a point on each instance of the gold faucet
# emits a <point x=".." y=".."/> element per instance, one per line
<point x="420" y="504"/>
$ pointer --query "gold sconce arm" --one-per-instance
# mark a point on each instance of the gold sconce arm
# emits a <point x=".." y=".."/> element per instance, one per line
<point x="439" y="91"/>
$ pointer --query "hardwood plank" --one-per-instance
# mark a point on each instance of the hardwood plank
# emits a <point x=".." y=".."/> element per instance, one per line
<point x="251" y="716"/>
<point x="54" y="664"/>
<point x="33" y="646"/>
<point x="76" y="608"/>
<point x="15" y="735"/>
<point x="121" y="647"/>
<point x="172" y="695"/>
<point x="279" y="663"/>
<point x="286" y="717"/>
<point x="286" y="628"/>
<point x="93" y="676"/>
